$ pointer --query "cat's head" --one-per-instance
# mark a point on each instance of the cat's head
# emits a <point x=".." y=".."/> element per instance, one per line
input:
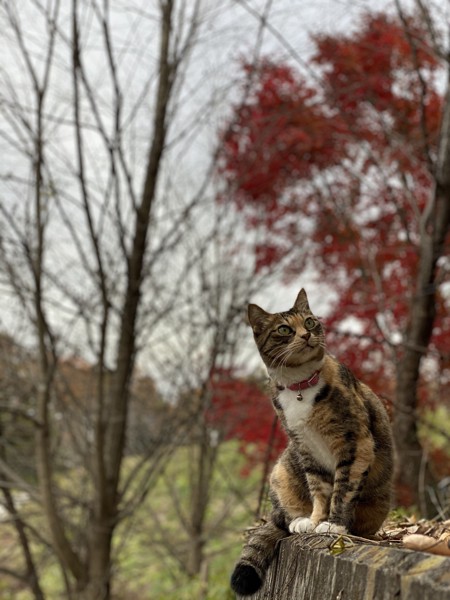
<point x="288" y="339"/>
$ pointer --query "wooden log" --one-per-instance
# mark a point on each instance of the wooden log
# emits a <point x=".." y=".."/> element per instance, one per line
<point x="324" y="567"/>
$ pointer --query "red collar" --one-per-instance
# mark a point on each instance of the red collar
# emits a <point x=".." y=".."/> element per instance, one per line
<point x="306" y="383"/>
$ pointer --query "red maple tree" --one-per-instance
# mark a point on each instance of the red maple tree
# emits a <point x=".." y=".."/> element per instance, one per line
<point x="240" y="409"/>
<point x="342" y="167"/>
<point x="342" y="164"/>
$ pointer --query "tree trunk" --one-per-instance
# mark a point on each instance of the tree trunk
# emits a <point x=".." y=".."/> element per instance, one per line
<point x="112" y="442"/>
<point x="204" y="460"/>
<point x="98" y="583"/>
<point x="434" y="230"/>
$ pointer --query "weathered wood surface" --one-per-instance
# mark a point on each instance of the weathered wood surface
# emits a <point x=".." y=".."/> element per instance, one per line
<point x="305" y="569"/>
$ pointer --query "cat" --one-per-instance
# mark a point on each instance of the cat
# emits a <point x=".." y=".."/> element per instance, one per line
<point x="336" y="472"/>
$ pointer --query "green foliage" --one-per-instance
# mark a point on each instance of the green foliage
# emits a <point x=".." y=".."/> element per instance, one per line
<point x="402" y="513"/>
<point x="434" y="428"/>
<point x="146" y="565"/>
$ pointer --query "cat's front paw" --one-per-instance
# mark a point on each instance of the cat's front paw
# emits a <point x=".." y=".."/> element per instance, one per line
<point x="301" y="525"/>
<point x="327" y="527"/>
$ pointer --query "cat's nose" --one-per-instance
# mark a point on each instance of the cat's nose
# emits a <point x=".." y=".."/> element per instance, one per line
<point x="306" y="335"/>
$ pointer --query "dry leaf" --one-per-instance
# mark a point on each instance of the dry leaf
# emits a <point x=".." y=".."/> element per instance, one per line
<point x="425" y="543"/>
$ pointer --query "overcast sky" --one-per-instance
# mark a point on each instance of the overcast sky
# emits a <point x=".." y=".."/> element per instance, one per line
<point x="229" y="33"/>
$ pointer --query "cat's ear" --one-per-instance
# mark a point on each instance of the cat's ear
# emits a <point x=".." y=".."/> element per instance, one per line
<point x="301" y="304"/>
<point x="257" y="317"/>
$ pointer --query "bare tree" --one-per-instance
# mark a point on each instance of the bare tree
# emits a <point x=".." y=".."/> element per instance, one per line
<point x="88" y="201"/>
<point x="110" y="255"/>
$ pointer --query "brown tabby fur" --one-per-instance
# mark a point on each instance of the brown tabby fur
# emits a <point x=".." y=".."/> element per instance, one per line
<point x="335" y="474"/>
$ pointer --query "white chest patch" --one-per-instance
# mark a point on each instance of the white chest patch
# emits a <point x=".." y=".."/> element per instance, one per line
<point x="297" y="413"/>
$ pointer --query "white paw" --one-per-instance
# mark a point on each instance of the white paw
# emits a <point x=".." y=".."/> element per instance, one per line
<point x="326" y="527"/>
<point x="301" y="525"/>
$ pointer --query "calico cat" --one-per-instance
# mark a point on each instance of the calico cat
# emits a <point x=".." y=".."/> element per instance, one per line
<point x="335" y="474"/>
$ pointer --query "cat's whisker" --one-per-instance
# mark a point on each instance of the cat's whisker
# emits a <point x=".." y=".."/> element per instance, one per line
<point x="282" y="353"/>
<point x="282" y="357"/>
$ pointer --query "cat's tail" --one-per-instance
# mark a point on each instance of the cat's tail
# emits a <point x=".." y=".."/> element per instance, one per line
<point x="256" y="556"/>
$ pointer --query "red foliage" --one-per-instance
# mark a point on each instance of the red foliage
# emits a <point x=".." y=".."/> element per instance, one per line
<point x="342" y="167"/>
<point x="276" y="138"/>
<point x="241" y="410"/>
<point x="440" y="461"/>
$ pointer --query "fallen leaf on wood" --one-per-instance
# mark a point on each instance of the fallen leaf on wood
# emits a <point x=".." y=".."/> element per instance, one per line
<point x="340" y="545"/>
<point x="425" y="543"/>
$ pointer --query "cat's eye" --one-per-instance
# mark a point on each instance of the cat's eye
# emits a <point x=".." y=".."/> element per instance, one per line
<point x="310" y="323"/>
<point x="284" y="330"/>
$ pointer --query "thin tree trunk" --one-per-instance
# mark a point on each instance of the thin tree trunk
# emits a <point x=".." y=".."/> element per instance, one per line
<point x="200" y="484"/>
<point x="434" y="230"/>
<point x="104" y="520"/>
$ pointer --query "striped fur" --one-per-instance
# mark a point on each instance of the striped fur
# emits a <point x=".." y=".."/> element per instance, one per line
<point x="336" y="472"/>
